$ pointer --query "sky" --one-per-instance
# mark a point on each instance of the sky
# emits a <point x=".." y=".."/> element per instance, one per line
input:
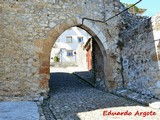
<point x="152" y="6"/>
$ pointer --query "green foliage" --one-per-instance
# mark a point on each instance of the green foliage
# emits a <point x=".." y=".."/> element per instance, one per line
<point x="56" y="59"/>
<point x="134" y="9"/>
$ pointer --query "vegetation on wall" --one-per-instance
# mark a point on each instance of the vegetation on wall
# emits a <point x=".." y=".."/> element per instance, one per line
<point x="134" y="10"/>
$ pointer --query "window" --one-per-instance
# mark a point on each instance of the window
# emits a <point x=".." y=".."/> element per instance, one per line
<point x="69" y="39"/>
<point x="69" y="52"/>
<point x="80" y="39"/>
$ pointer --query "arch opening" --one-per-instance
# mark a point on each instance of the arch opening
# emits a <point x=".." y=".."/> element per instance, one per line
<point x="76" y="51"/>
<point x="99" y="41"/>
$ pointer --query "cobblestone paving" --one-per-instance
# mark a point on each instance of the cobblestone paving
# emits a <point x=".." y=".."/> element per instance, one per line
<point x="20" y="110"/>
<point x="73" y="99"/>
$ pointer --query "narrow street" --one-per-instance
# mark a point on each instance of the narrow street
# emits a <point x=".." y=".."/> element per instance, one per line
<point x="73" y="99"/>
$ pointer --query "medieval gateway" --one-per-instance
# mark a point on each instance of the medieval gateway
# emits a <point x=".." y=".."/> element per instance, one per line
<point x="127" y="47"/>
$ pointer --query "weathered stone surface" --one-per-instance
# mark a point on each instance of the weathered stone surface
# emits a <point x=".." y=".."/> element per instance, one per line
<point x="141" y="51"/>
<point x="143" y="99"/>
<point x="18" y="111"/>
<point x="31" y="28"/>
<point x="158" y="84"/>
<point x="28" y="29"/>
<point x="85" y="102"/>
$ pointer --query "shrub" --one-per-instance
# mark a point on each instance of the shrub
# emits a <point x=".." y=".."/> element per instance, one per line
<point x="56" y="59"/>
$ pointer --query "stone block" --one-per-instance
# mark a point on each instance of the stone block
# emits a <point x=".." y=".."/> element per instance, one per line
<point x="158" y="84"/>
<point x="47" y="46"/>
<point x="41" y="55"/>
<point x="54" y="34"/>
<point x="112" y="85"/>
<point x="36" y="64"/>
<point x="2" y="45"/>
<point x="44" y="83"/>
<point x="52" y="24"/>
<point x="71" y="22"/>
<point x="60" y="28"/>
<point x="88" y="24"/>
<point x="38" y="43"/>
<point x="101" y="37"/>
<point x="44" y="70"/>
<point x="0" y="9"/>
<point x="46" y="63"/>
<point x="157" y="91"/>
<point x="2" y="69"/>
<point x="155" y="57"/>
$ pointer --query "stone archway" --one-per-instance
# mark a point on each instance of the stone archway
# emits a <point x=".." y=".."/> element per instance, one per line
<point x="91" y="28"/>
<point x="31" y="28"/>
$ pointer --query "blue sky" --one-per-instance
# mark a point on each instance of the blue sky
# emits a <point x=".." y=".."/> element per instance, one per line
<point x="152" y="6"/>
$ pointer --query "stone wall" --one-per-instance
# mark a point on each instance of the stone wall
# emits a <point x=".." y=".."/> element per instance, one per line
<point x="141" y="57"/>
<point x="81" y="59"/>
<point x="28" y="30"/>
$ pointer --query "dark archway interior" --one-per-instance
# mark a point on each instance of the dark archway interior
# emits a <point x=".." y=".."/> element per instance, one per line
<point x="98" y="67"/>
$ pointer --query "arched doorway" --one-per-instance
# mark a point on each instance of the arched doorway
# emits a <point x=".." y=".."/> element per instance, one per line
<point x="100" y="41"/>
<point x="76" y="52"/>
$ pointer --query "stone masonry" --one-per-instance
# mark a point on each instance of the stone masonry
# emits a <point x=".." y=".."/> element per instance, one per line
<point x="141" y="57"/>
<point x="29" y="28"/>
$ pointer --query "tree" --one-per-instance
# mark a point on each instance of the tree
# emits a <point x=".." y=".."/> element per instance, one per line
<point x="56" y="58"/>
<point x="135" y="10"/>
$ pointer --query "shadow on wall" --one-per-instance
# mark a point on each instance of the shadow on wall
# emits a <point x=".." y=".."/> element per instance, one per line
<point x="98" y="67"/>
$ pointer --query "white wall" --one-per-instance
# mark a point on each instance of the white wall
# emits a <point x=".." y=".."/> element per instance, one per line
<point x="81" y="57"/>
<point x="74" y="32"/>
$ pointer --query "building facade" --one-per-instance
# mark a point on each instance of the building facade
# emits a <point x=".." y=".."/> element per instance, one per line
<point x="68" y="46"/>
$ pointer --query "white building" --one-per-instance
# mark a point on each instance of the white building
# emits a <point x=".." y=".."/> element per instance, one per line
<point x="67" y="46"/>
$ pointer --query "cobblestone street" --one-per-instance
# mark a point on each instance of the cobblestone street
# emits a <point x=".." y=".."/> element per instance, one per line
<point x="73" y="99"/>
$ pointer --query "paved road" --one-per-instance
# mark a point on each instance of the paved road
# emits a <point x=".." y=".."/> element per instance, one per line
<point x="73" y="99"/>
